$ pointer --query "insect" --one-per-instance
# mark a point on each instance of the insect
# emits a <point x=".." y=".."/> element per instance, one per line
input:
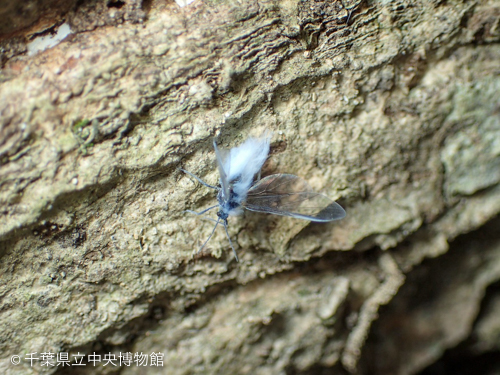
<point x="279" y="194"/>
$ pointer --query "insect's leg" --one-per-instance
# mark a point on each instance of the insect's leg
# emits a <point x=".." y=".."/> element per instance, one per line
<point x="202" y="212"/>
<point x="209" y="218"/>
<point x="211" y="234"/>
<point x="230" y="242"/>
<point x="199" y="213"/>
<point x="199" y="179"/>
<point x="258" y="176"/>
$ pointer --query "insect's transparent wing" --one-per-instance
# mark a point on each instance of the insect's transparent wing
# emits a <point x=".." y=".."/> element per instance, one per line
<point x="222" y="173"/>
<point x="289" y="195"/>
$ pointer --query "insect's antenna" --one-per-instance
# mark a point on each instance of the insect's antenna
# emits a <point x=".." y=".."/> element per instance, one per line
<point x="211" y="234"/>
<point x="229" y="238"/>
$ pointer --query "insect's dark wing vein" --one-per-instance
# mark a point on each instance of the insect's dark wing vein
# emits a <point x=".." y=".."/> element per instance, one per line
<point x="284" y="200"/>
<point x="277" y="184"/>
<point x="289" y="195"/>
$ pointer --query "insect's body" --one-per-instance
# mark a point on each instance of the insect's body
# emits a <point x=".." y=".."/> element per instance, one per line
<point x="230" y="206"/>
<point x="279" y="194"/>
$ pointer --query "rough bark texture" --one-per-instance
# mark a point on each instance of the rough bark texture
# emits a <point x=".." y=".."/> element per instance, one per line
<point x="391" y="107"/>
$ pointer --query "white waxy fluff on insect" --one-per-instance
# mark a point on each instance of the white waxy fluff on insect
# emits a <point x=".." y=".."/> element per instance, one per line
<point x="244" y="162"/>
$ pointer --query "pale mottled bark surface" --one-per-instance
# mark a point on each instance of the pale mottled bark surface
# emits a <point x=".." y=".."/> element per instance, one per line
<point x="388" y="107"/>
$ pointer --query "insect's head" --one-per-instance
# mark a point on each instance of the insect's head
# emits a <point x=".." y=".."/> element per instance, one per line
<point x="222" y="214"/>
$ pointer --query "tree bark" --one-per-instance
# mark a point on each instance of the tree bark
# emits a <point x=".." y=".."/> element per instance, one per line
<point x="389" y="107"/>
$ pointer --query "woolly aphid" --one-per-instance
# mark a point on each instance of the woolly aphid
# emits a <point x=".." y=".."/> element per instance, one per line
<point x="279" y="194"/>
